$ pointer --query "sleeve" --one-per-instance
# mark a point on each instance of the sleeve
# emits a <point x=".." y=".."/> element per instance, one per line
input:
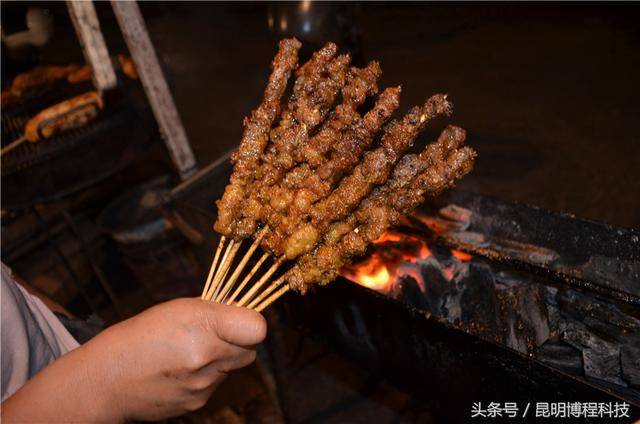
<point x="31" y="335"/>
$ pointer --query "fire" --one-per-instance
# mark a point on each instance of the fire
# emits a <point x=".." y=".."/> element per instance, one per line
<point x="372" y="274"/>
<point x="385" y="265"/>
<point x="389" y="236"/>
<point x="410" y="270"/>
<point x="396" y="255"/>
<point x="424" y="251"/>
<point x="448" y="273"/>
<point x="377" y="280"/>
<point x="461" y="255"/>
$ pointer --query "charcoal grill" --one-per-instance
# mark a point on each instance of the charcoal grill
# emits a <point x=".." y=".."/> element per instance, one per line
<point x="541" y="291"/>
<point x="75" y="159"/>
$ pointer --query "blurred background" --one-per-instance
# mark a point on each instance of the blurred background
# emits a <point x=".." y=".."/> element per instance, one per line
<point x="547" y="92"/>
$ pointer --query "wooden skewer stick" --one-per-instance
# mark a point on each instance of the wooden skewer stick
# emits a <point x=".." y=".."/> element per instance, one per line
<point x="225" y="269"/>
<point x="213" y="267"/>
<point x="223" y="277"/>
<point x="219" y="271"/>
<point x="9" y="147"/>
<point x="247" y="278"/>
<point x="231" y="281"/>
<point x="247" y="297"/>
<point x="272" y="298"/>
<point x="266" y="292"/>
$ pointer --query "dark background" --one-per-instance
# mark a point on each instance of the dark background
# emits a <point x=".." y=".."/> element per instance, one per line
<point x="548" y="92"/>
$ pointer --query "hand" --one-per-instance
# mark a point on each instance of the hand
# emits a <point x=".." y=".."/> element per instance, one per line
<point x="161" y="363"/>
<point x="169" y="359"/>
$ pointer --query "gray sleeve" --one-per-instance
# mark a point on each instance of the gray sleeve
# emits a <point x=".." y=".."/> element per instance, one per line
<point x="32" y="337"/>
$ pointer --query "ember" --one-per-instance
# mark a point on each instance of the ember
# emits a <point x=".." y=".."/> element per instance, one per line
<point x="378" y="279"/>
<point x="396" y="255"/>
<point x="417" y="265"/>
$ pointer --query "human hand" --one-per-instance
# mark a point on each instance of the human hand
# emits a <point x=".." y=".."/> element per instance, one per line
<point x="161" y="363"/>
<point x="169" y="359"/>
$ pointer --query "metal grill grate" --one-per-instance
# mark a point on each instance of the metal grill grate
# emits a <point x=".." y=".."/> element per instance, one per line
<point x="15" y="119"/>
<point x="29" y="154"/>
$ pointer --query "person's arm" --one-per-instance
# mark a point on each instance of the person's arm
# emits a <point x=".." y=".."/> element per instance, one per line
<point x="161" y="363"/>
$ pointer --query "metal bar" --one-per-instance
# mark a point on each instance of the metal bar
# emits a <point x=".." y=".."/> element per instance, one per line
<point x="85" y="21"/>
<point x="144" y="55"/>
<point x="94" y="266"/>
<point x="198" y="177"/>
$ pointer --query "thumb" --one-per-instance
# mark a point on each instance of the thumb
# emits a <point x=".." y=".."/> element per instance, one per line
<point x="236" y="325"/>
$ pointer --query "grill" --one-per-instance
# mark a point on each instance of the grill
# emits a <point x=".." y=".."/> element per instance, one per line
<point x="89" y="153"/>
<point x="512" y="302"/>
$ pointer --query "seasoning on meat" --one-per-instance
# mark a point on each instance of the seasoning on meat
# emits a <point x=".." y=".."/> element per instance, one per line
<point x="255" y="137"/>
<point x="323" y="179"/>
<point x="414" y="177"/>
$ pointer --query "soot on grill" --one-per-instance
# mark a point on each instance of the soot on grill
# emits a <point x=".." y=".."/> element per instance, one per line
<point x="567" y="329"/>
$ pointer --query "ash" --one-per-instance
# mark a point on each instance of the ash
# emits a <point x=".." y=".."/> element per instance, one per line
<point x="574" y="332"/>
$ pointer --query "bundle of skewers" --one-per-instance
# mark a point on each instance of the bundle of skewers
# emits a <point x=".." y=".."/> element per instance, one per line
<point x="317" y="180"/>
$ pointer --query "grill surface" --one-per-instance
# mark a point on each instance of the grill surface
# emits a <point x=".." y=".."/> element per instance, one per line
<point x="76" y="158"/>
<point x="409" y="344"/>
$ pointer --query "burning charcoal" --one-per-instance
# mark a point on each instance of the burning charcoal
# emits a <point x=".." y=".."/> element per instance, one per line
<point x="458" y="214"/>
<point x="601" y="358"/>
<point x="407" y="290"/>
<point x="562" y="356"/>
<point x="452" y="309"/>
<point x="437" y="285"/>
<point x="442" y="254"/>
<point x="478" y="301"/>
<point x="630" y="362"/>
<point x="470" y="238"/>
<point x="433" y="224"/>
<point x="523" y="316"/>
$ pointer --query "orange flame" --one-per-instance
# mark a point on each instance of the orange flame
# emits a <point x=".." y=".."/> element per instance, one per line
<point x="372" y="274"/>
<point x="377" y="280"/>
<point x="461" y="255"/>
<point x="389" y="236"/>
<point x="448" y="273"/>
<point x="385" y="266"/>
